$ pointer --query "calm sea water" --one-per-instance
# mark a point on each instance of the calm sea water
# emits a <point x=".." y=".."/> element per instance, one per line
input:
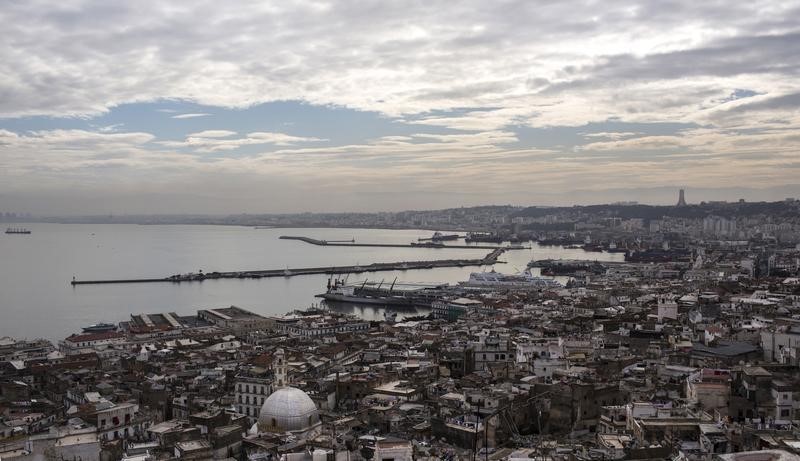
<point x="37" y="300"/>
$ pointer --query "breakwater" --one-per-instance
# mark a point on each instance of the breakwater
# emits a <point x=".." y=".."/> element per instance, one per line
<point x="489" y="259"/>
<point x="352" y="243"/>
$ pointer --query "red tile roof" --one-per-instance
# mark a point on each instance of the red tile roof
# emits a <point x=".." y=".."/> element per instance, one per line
<point x="95" y="337"/>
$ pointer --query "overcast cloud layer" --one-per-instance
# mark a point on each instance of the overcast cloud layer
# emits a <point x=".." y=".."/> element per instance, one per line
<point x="292" y="106"/>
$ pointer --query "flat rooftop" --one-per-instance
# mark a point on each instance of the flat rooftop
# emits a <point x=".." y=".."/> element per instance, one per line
<point x="160" y="321"/>
<point x="234" y="313"/>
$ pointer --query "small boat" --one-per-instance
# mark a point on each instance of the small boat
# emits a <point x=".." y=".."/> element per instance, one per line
<point x="99" y="328"/>
<point x="17" y="230"/>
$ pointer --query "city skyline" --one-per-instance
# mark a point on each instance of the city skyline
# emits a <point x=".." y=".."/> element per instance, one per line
<point x="366" y="107"/>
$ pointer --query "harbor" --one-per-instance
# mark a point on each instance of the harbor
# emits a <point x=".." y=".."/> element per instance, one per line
<point x="41" y="277"/>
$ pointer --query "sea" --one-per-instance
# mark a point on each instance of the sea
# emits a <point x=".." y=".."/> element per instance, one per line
<point x="37" y="299"/>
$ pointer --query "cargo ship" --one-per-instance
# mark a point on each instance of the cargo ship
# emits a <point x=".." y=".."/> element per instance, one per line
<point x="409" y="296"/>
<point x="17" y="230"/>
<point x="439" y="237"/>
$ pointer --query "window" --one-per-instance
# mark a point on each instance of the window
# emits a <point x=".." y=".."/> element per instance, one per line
<point x="102" y="422"/>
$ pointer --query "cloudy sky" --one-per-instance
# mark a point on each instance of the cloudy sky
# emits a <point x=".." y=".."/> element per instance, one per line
<point x="209" y="106"/>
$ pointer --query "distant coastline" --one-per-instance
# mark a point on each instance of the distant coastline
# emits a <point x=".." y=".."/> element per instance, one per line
<point x="475" y="219"/>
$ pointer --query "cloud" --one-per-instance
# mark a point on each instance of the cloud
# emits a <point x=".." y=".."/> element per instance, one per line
<point x="470" y="167"/>
<point x="611" y="135"/>
<point x="209" y="141"/>
<point x="466" y="80"/>
<point x="110" y="128"/>
<point x="213" y="134"/>
<point x="182" y="116"/>
<point x="395" y="59"/>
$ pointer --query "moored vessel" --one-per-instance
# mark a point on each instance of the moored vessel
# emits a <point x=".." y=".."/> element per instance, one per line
<point x="409" y="296"/>
<point x="440" y="237"/>
<point x="17" y="230"/>
<point x="99" y="327"/>
<point x="524" y="280"/>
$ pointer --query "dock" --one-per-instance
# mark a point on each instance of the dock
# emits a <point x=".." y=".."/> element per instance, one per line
<point x="489" y="259"/>
<point x="351" y="243"/>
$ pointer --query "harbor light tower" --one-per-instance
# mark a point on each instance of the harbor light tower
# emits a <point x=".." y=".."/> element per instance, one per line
<point x="681" y="199"/>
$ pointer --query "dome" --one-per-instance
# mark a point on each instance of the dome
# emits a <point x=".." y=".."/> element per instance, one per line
<point x="288" y="409"/>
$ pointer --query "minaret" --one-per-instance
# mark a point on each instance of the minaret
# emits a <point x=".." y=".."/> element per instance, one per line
<point x="681" y="199"/>
<point x="279" y="368"/>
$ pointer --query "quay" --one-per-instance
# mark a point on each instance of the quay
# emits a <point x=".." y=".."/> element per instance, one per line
<point x="351" y="243"/>
<point x="489" y="259"/>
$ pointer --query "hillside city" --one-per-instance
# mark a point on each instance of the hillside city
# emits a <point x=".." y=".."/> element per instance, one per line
<point x="686" y="350"/>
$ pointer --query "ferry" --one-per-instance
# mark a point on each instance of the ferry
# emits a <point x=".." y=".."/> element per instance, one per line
<point x="485" y="237"/>
<point x="523" y="280"/>
<point x="99" y="328"/>
<point x="17" y="230"/>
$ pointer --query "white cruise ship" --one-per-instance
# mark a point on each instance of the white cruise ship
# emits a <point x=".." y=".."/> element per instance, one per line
<point x="522" y="280"/>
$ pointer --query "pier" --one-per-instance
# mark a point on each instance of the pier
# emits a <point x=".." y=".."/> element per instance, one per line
<point x="489" y="259"/>
<point x="351" y="243"/>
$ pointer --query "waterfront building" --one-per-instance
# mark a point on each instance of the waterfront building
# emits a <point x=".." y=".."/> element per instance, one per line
<point x="105" y="345"/>
<point x="236" y="320"/>
<point x="452" y="309"/>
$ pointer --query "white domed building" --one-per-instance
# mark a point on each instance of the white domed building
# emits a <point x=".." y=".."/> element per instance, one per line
<point x="288" y="409"/>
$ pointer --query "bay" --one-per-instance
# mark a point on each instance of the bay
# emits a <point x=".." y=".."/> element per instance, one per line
<point x="37" y="300"/>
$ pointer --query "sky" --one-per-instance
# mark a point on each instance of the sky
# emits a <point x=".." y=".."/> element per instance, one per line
<point x="264" y="107"/>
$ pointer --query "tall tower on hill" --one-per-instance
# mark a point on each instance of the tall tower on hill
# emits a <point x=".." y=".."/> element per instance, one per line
<point x="681" y="199"/>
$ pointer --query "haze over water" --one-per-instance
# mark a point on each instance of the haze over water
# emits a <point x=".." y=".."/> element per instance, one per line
<point x="37" y="300"/>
